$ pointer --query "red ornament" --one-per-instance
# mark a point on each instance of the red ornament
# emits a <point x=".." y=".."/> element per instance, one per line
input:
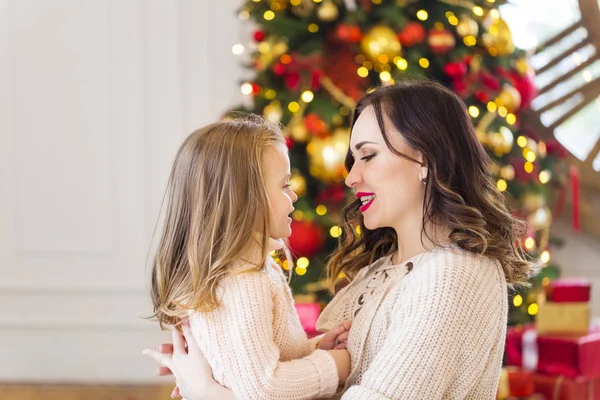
<point x="259" y="36"/>
<point x="456" y="69"/>
<point x="306" y="239"/>
<point x="490" y="81"/>
<point x="278" y="69"/>
<point x="334" y="195"/>
<point x="315" y="81"/>
<point x="315" y="125"/>
<point x="292" y="80"/>
<point x="441" y="41"/>
<point x="460" y="87"/>
<point x="289" y="142"/>
<point x="482" y="96"/>
<point x="256" y="89"/>
<point x="349" y="33"/>
<point x="526" y="87"/>
<point x="413" y="33"/>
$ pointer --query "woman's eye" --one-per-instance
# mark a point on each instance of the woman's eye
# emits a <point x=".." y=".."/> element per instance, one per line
<point x="367" y="158"/>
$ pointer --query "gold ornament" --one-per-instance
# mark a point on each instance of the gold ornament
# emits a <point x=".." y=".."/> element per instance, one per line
<point x="297" y="130"/>
<point x="531" y="202"/>
<point x="523" y="67"/>
<point x="510" y="98"/>
<point x="328" y="11"/>
<point x="498" y="36"/>
<point x="298" y="183"/>
<point x="304" y="8"/>
<point x="467" y="26"/>
<point x="327" y="155"/>
<point x="273" y="112"/>
<point x="380" y="41"/>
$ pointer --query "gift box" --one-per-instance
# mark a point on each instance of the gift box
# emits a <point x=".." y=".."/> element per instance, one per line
<point x="520" y="382"/>
<point x="570" y="356"/>
<point x="570" y="290"/>
<point x="563" y="318"/>
<point x="563" y="388"/>
<point x="309" y="314"/>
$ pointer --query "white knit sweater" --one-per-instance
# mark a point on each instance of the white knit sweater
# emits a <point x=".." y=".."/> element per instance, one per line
<point x="255" y="343"/>
<point x="436" y="332"/>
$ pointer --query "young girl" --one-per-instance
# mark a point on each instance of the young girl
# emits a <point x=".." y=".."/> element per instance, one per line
<point x="229" y="206"/>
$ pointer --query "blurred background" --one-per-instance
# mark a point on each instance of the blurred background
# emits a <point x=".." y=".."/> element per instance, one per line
<point x="96" y="97"/>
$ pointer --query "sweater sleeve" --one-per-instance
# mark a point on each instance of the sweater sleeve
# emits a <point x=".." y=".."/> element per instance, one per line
<point x="443" y="330"/>
<point x="243" y="335"/>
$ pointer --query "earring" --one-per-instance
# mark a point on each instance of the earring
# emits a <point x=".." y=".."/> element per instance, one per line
<point x="424" y="180"/>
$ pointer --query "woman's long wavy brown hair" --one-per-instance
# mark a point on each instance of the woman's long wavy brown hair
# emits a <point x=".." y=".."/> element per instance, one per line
<point x="460" y="191"/>
<point x="217" y="201"/>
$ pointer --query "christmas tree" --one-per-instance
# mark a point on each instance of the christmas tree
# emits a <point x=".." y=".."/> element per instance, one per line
<point x="313" y="59"/>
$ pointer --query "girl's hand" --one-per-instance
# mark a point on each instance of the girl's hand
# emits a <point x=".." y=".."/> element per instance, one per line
<point x="337" y="337"/>
<point x="192" y="372"/>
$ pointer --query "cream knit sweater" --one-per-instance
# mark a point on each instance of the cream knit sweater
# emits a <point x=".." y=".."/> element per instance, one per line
<point x="255" y="343"/>
<point x="436" y="332"/>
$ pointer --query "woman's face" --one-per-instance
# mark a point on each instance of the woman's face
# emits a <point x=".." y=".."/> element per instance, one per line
<point x="390" y="187"/>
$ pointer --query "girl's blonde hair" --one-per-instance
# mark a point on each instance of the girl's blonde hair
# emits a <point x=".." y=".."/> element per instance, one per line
<point x="217" y="201"/>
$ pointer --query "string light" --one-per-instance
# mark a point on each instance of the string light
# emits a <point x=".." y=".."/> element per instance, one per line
<point x="545" y="257"/>
<point x="385" y="76"/>
<point x="478" y="11"/>
<point x="302" y="262"/>
<point x="474" y="111"/>
<point x="528" y="167"/>
<point x="423" y="62"/>
<point x="495" y="14"/>
<point x="270" y="94"/>
<point x="321" y="209"/>
<point x="502" y="111"/>
<point x="502" y="185"/>
<point x="293" y="106"/>
<point x="335" y="231"/>
<point x="517" y="300"/>
<point x="522" y="141"/>
<point x="470" y="40"/>
<point x="244" y="14"/>
<point x="307" y="96"/>
<point x="362" y="72"/>
<point x="545" y="281"/>
<point x="422" y="15"/>
<point x="544" y="177"/>
<point x="401" y="63"/>
<point x="529" y="243"/>
<point x="529" y="155"/>
<point x="300" y="271"/>
<point x="491" y="106"/>
<point x="287" y="265"/>
<point x="511" y="119"/>
<point x="313" y="28"/>
<point x="269" y="15"/>
<point x="533" y="309"/>
<point x="246" y="88"/>
<point x="453" y="20"/>
<point x="237" y="49"/>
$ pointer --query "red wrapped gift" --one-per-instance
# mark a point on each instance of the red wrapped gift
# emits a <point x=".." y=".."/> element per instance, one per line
<point x="309" y="314"/>
<point x="562" y="388"/>
<point x="571" y="356"/>
<point x="570" y="290"/>
<point x="520" y="382"/>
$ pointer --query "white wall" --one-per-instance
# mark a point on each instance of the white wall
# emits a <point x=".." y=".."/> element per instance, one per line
<point x="579" y="257"/>
<point x="95" y="97"/>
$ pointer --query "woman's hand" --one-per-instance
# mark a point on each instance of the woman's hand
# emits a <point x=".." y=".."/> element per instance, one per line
<point x="337" y="337"/>
<point x="192" y="372"/>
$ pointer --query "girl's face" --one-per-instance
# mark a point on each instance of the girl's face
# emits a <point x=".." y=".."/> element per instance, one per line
<point x="276" y="168"/>
<point x="389" y="186"/>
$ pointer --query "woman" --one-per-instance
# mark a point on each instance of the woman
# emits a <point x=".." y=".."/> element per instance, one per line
<point x="439" y="245"/>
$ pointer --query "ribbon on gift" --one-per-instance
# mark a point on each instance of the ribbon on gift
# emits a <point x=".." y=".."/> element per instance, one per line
<point x="558" y="388"/>
<point x="530" y="350"/>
